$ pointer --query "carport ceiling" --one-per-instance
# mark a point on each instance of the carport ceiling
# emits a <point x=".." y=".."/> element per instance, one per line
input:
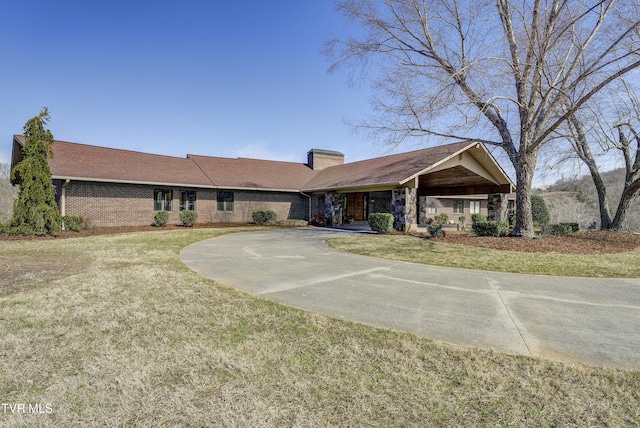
<point x="458" y="180"/>
<point x="458" y="176"/>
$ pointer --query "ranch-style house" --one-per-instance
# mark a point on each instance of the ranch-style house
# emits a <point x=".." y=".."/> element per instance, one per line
<point x="114" y="187"/>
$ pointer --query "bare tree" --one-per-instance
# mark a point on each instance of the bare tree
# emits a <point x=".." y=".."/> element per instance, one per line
<point x="607" y="124"/>
<point x="494" y="71"/>
<point x="5" y="170"/>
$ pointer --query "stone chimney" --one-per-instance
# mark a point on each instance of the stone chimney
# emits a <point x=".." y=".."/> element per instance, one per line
<point x="318" y="159"/>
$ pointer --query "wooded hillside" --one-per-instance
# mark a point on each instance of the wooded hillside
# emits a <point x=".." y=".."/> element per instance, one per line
<point x="575" y="200"/>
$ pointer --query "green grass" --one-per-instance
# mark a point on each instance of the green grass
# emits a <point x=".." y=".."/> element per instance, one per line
<point x="118" y="332"/>
<point x="419" y="250"/>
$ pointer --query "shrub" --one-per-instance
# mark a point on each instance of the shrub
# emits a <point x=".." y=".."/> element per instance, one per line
<point x="319" y="220"/>
<point x="435" y="230"/>
<point x="557" y="229"/>
<point x="490" y="228"/>
<point x="4" y="228"/>
<point x="539" y="210"/>
<point x="478" y="218"/>
<point x="441" y="218"/>
<point x="262" y="217"/>
<point x="270" y="216"/>
<point x="73" y="222"/>
<point x="575" y="227"/>
<point x="22" y="229"/>
<point x="381" y="222"/>
<point x="462" y="223"/>
<point x="188" y="218"/>
<point x="160" y="218"/>
<point x="259" y="217"/>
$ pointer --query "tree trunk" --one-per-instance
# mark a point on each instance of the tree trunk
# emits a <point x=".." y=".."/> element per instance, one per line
<point x="583" y="151"/>
<point x="524" y="166"/>
<point x="601" y="189"/>
<point x="629" y="192"/>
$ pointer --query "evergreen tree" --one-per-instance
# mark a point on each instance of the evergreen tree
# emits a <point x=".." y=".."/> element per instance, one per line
<point x="539" y="210"/>
<point x="35" y="210"/>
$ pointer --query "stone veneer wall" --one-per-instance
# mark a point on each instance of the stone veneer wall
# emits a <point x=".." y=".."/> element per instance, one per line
<point x="115" y="204"/>
<point x="334" y="203"/>
<point x="404" y="207"/>
<point x="422" y="210"/>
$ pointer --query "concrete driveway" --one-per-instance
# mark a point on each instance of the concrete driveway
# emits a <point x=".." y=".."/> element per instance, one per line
<point x="595" y="321"/>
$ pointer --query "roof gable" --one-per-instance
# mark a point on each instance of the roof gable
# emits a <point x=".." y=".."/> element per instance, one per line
<point x="387" y="170"/>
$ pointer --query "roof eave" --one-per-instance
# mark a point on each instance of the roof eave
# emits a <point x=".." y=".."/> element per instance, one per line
<point x="157" y="183"/>
<point x="391" y="184"/>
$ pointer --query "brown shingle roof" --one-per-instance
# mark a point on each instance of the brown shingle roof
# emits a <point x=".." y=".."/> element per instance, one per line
<point x="92" y="163"/>
<point x="254" y="173"/>
<point x="81" y="161"/>
<point x="393" y="169"/>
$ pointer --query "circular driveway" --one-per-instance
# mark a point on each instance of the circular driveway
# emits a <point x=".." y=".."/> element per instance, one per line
<point x="595" y="321"/>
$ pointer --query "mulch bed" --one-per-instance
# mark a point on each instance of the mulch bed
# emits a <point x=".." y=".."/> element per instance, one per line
<point x="584" y="242"/>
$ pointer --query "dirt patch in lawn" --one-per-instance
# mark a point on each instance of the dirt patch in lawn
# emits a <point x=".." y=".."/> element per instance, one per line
<point x="585" y="242"/>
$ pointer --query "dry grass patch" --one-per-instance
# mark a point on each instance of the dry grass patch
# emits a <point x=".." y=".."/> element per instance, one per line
<point x="433" y="252"/>
<point x="133" y="337"/>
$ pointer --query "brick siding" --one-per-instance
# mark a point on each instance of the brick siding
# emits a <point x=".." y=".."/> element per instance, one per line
<point x="447" y="208"/>
<point x="115" y="204"/>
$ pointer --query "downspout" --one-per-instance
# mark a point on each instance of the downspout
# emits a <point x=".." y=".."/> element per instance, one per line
<point x="63" y="205"/>
<point x="308" y="196"/>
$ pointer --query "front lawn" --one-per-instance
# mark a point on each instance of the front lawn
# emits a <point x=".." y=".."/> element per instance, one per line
<point x="115" y="331"/>
<point x="441" y="253"/>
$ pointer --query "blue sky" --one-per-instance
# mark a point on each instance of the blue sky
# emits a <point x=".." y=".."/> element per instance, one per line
<point x="219" y="78"/>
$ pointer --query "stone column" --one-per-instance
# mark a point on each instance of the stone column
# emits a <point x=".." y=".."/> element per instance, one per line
<point x="404" y="209"/>
<point x="333" y="208"/>
<point x="497" y="207"/>
<point x="422" y="210"/>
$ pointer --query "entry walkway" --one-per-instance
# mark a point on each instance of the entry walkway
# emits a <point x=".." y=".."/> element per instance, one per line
<point x="595" y="321"/>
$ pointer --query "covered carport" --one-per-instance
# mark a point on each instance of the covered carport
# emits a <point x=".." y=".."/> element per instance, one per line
<point x="399" y="184"/>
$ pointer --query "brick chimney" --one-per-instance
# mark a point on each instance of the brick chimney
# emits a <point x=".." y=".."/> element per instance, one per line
<point x="318" y="159"/>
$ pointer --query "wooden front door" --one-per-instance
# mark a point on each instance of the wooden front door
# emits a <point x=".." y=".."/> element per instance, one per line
<point x="356" y="206"/>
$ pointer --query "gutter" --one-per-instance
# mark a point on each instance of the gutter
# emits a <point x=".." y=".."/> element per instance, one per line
<point x="362" y="187"/>
<point x="151" y="183"/>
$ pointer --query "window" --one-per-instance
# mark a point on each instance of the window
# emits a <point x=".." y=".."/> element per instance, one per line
<point x="474" y="207"/>
<point x="187" y="201"/>
<point x="162" y="200"/>
<point x="458" y="207"/>
<point x="225" y="201"/>
<point x="432" y="210"/>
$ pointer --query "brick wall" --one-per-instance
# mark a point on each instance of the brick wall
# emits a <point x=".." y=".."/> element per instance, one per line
<point x="113" y="204"/>
<point x="285" y="205"/>
<point x="447" y="207"/>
